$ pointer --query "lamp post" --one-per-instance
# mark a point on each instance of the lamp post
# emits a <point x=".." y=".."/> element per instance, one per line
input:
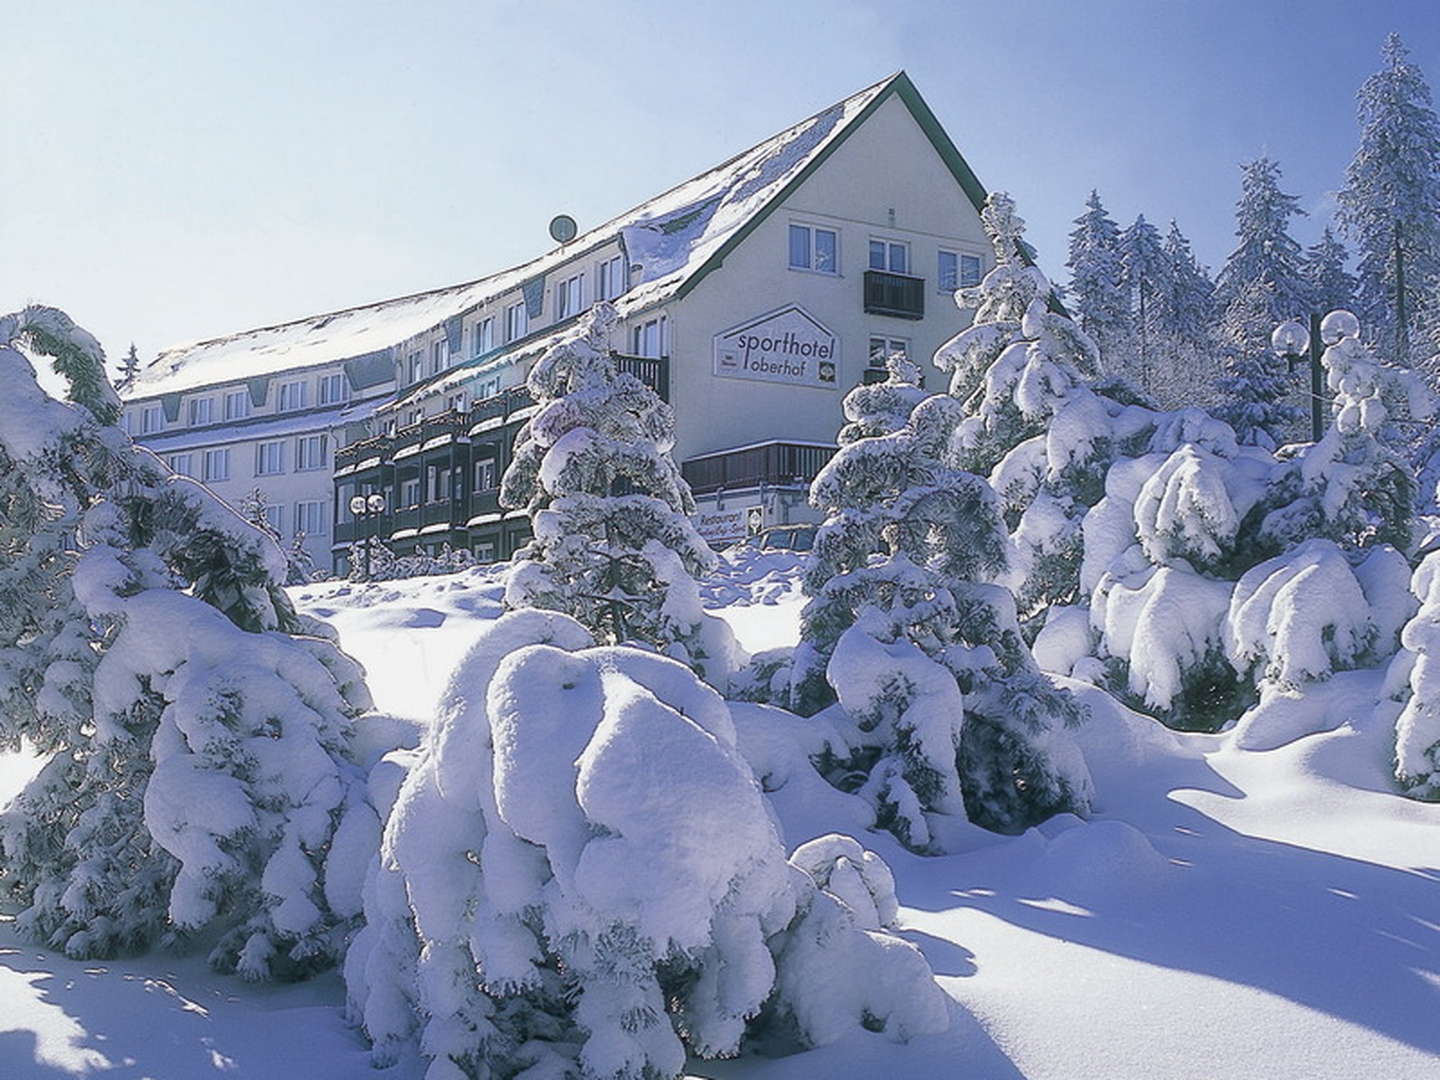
<point x="367" y="509"/>
<point x="1291" y="341"/>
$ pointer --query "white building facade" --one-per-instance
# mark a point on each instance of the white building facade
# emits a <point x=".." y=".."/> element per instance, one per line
<point x="752" y="297"/>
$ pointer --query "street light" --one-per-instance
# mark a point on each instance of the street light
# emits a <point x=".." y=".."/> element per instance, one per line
<point x="367" y="509"/>
<point x="1291" y="341"/>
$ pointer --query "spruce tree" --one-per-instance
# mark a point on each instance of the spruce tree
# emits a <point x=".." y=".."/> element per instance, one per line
<point x="1096" y="293"/>
<point x="1184" y="327"/>
<point x="1390" y="204"/>
<point x="1267" y="253"/>
<point x="1146" y="281"/>
<point x="1254" y="387"/>
<point x="613" y="543"/>
<point x="129" y="368"/>
<point x="1332" y="287"/>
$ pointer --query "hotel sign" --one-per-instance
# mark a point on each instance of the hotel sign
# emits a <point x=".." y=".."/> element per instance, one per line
<point x="788" y="345"/>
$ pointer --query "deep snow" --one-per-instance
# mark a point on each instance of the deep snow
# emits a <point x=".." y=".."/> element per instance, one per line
<point x="1226" y="912"/>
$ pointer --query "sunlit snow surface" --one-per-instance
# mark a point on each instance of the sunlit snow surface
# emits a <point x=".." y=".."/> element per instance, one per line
<point x="1226" y="914"/>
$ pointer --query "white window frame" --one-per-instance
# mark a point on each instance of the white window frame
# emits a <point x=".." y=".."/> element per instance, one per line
<point x="275" y="517"/>
<point x="407" y="486"/>
<point x="201" y="411"/>
<point x="216" y="465"/>
<point x="517" y="321"/>
<point x="439" y="356"/>
<point x="482" y="336"/>
<point x="457" y="402"/>
<point x="292" y="396"/>
<point x="263" y="451"/>
<point x="413" y="366"/>
<point x="890" y="245"/>
<point x="888" y="350"/>
<point x="486" y="478"/>
<point x="304" y="511"/>
<point x="569" y="296"/>
<point x="639" y="335"/>
<point x="810" y="231"/>
<point x="237" y="404"/>
<point x="960" y="258"/>
<point x="182" y="464"/>
<point x="152" y="419"/>
<point x="305" y="448"/>
<point x="341" y="385"/>
<point x="611" y="280"/>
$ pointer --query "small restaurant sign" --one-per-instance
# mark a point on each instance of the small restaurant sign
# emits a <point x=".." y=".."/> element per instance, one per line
<point x="731" y="523"/>
<point x="787" y="345"/>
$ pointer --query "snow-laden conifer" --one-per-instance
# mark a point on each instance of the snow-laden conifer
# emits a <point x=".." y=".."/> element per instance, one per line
<point x="1332" y="286"/>
<point x="1145" y="276"/>
<point x="1096" y="294"/>
<point x="1255" y="390"/>
<point x="1413" y="684"/>
<point x="1184" y="329"/>
<point x="1390" y="204"/>
<point x="1266" y="253"/>
<point x="613" y="543"/>
<point x="580" y="878"/>
<point x="196" y="773"/>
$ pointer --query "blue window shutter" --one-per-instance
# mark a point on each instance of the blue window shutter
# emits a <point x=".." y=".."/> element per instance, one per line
<point x="534" y="293"/>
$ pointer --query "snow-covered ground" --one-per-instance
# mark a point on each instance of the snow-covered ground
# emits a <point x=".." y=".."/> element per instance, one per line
<point x="1226" y="913"/>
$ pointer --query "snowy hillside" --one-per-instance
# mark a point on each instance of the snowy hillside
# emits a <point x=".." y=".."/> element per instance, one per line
<point x="1221" y="907"/>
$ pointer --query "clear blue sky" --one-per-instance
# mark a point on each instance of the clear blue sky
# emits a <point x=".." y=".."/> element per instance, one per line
<point x="182" y="170"/>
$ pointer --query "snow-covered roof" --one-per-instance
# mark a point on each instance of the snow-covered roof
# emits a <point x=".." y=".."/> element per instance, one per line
<point x="261" y="427"/>
<point x="672" y="238"/>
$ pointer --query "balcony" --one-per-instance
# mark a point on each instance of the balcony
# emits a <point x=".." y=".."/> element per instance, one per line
<point x="501" y="405"/>
<point x="872" y="375"/>
<point x="778" y="463"/>
<point x="432" y="427"/>
<point x="897" y="295"/>
<point x="653" y="371"/>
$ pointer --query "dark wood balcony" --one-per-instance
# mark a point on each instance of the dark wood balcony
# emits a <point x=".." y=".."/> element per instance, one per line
<point x="775" y="463"/>
<point x="897" y="295"/>
<point x="653" y="371"/>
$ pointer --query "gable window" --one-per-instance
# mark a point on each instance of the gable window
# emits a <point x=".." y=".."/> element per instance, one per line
<point x="569" y="296"/>
<point x="152" y="419"/>
<point x="483" y="336"/>
<point x="202" y="411"/>
<point x="332" y="388"/>
<point x="184" y="464"/>
<point x="648" y="338"/>
<point x="881" y="349"/>
<point x="413" y="361"/>
<point x="517" y="321"/>
<point x="610" y="279"/>
<point x="890" y="255"/>
<point x="292" y="396"/>
<point x="269" y="459"/>
<point x="217" y="465"/>
<point x="957" y="271"/>
<point x="311" y="452"/>
<point x="457" y="402"/>
<point x="813" y="248"/>
<point x="439" y="356"/>
<point x="310" y="518"/>
<point x="237" y="404"/>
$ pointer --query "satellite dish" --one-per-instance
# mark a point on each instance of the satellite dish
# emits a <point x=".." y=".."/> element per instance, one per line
<point x="562" y="228"/>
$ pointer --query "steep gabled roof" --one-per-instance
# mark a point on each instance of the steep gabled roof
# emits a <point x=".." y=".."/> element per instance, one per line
<point x="675" y="239"/>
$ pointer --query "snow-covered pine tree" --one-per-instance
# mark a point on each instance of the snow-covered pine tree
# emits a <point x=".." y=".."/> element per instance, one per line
<point x="1254" y="389"/>
<point x="581" y="878"/>
<point x="1266" y="253"/>
<point x="1413" y="689"/>
<point x="1390" y="204"/>
<point x="299" y="566"/>
<point x="613" y="544"/>
<point x="1096" y="293"/>
<point x="252" y="507"/>
<point x="197" y="772"/>
<point x="1146" y="280"/>
<point x="1184" y="328"/>
<point x="129" y="368"/>
<point x="922" y="648"/>
<point x="1332" y="287"/>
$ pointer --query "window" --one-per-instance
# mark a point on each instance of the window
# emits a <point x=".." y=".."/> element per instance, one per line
<point x="610" y="279"/>
<point x="332" y="388"/>
<point x="457" y="402"/>
<point x="217" y="465"/>
<point x="881" y="349"/>
<point x="484" y="551"/>
<point x="311" y="452"/>
<point x="184" y="464"/>
<point x="957" y="271"/>
<point x="569" y="296"/>
<point x="485" y="475"/>
<point x="269" y="459"/>
<point x="814" y="249"/>
<point x="439" y="356"/>
<point x="891" y="255"/>
<point x="237" y="404"/>
<point x="414" y="366"/>
<point x="414" y="416"/>
<point x="202" y="411"/>
<point x="310" y="518"/>
<point x="437" y="484"/>
<point x="483" y="336"/>
<point x="275" y="518"/>
<point x="517" y="322"/>
<point x="410" y="492"/>
<point x="487" y="389"/>
<point x="292" y="396"/>
<point x="152" y="419"/>
<point x="648" y="339"/>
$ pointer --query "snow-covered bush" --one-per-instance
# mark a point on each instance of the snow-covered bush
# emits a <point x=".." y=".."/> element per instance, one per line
<point x="196" y="774"/>
<point x="613" y="543"/>
<point x="1414" y="682"/>
<point x="908" y="628"/>
<point x="580" y="877"/>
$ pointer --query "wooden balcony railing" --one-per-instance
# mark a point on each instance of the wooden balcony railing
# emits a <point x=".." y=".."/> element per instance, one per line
<point x="780" y="463"/>
<point x="898" y="295"/>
